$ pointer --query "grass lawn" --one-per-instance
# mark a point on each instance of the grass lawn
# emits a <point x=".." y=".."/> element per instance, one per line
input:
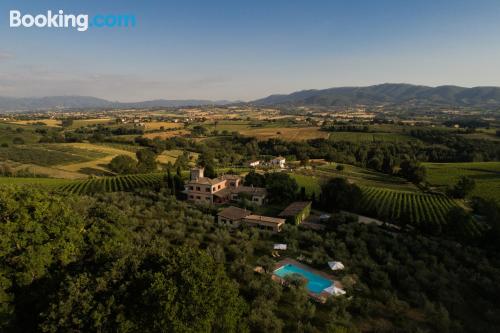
<point x="486" y="175"/>
<point x="310" y="183"/>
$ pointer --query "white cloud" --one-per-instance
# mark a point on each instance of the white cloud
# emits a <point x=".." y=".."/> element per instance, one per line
<point x="5" y="55"/>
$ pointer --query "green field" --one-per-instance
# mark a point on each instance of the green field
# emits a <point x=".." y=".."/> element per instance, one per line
<point x="25" y="132"/>
<point x="47" y="154"/>
<point x="89" y="186"/>
<point x="172" y="155"/>
<point x="417" y="208"/>
<point x="111" y="184"/>
<point x="360" y="176"/>
<point x="369" y="137"/>
<point x="310" y="183"/>
<point x="486" y="175"/>
<point x="229" y="125"/>
<point x="34" y="181"/>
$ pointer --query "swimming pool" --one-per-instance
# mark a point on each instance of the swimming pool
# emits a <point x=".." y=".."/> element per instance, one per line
<point x="315" y="282"/>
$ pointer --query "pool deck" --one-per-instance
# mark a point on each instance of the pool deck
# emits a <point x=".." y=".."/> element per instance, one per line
<point x="321" y="297"/>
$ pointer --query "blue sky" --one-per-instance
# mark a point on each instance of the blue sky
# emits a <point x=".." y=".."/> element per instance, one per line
<point x="249" y="49"/>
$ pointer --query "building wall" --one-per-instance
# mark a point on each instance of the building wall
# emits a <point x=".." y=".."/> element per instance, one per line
<point x="203" y="192"/>
<point x="302" y="215"/>
<point x="262" y="225"/>
<point x="258" y="200"/>
<point x="227" y="222"/>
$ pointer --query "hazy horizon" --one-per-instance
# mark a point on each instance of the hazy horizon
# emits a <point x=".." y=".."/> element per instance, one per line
<point x="238" y="100"/>
<point x="233" y="51"/>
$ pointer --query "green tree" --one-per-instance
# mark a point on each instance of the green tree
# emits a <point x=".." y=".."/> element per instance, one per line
<point x="147" y="160"/>
<point x="412" y="171"/>
<point x="281" y="187"/>
<point x="181" y="290"/>
<point x="338" y="193"/>
<point x="463" y="187"/>
<point x="375" y="163"/>
<point x="38" y="231"/>
<point x="123" y="164"/>
<point x="255" y="179"/>
<point x="68" y="122"/>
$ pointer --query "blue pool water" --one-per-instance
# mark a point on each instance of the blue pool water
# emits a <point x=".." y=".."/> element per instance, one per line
<point x="315" y="283"/>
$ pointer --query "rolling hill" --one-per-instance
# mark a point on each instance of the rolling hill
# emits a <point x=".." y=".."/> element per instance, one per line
<point x="82" y="102"/>
<point x="389" y="93"/>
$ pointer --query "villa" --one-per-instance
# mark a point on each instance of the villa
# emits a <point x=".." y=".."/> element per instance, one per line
<point x="254" y="164"/>
<point x="234" y="217"/>
<point x="220" y="190"/>
<point x="278" y="162"/>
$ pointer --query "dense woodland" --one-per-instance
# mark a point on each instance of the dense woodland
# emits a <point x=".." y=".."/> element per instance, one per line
<point x="147" y="262"/>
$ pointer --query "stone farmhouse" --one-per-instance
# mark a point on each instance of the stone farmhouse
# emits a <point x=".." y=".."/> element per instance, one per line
<point x="234" y="217"/>
<point x="220" y="190"/>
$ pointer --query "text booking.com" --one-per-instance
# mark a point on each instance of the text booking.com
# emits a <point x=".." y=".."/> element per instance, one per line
<point x="80" y="22"/>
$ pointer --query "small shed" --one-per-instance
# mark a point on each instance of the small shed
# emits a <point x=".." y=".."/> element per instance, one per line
<point x="296" y="212"/>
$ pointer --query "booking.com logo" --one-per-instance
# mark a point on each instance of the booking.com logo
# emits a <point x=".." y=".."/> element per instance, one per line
<point x="80" y="22"/>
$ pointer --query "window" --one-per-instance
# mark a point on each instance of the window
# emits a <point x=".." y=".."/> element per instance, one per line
<point x="218" y="187"/>
<point x="213" y="188"/>
<point x="191" y="197"/>
<point x="197" y="188"/>
<point x="207" y="189"/>
<point x="207" y="198"/>
<point x="198" y="198"/>
<point x="191" y="188"/>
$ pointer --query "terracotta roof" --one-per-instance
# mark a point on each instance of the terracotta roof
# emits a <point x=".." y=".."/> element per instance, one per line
<point x="260" y="191"/>
<point x="205" y="181"/>
<point x="268" y="219"/>
<point x="223" y="193"/>
<point x="230" y="177"/>
<point x="212" y="181"/>
<point x="234" y="213"/>
<point x="294" y="208"/>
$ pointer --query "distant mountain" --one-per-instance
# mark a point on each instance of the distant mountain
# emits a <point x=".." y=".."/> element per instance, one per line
<point x="388" y="93"/>
<point x="173" y="103"/>
<point x="63" y="102"/>
<point x="81" y="102"/>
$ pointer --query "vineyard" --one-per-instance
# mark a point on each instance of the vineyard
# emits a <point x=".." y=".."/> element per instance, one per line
<point x="426" y="211"/>
<point x="111" y="184"/>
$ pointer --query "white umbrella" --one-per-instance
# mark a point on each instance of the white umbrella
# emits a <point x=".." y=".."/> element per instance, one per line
<point x="335" y="265"/>
<point x="332" y="290"/>
<point x="280" y="246"/>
